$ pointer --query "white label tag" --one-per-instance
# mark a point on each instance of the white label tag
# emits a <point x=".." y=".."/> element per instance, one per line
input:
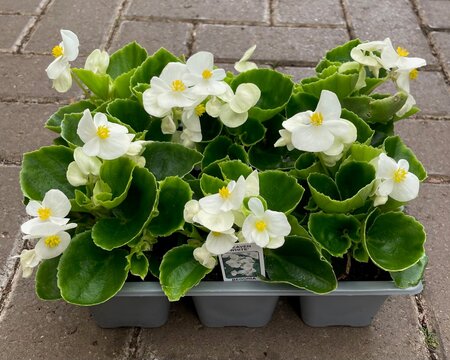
<point x="242" y="262"/>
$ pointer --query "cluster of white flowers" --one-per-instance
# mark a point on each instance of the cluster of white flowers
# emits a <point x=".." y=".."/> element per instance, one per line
<point x="319" y="131"/>
<point x="242" y="265"/>
<point x="381" y="54"/>
<point x="49" y="225"/>
<point x="220" y="212"/>
<point x="196" y="87"/>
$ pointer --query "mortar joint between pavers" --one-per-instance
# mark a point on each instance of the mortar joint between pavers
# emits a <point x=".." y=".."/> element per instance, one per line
<point x="9" y="163"/>
<point x="31" y="26"/>
<point x="437" y="179"/>
<point x="131" y="350"/>
<point x="116" y="23"/>
<point x="44" y="100"/>
<point x="348" y="19"/>
<point x="142" y="18"/>
<point x="272" y="6"/>
<point x="426" y="328"/>
<point x="426" y="31"/>
<point x="190" y="44"/>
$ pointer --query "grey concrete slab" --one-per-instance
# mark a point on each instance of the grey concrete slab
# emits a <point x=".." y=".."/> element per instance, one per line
<point x="428" y="139"/>
<point x="376" y="20"/>
<point x="153" y="35"/>
<point x="286" y="337"/>
<point x="11" y="27"/>
<point x="298" y="73"/>
<point x="23" y="77"/>
<point x="23" y="130"/>
<point x="442" y="42"/>
<point x="304" y="12"/>
<point x="20" y="6"/>
<point x="274" y="44"/>
<point x="436" y="14"/>
<point x="33" y="329"/>
<point x="90" y="20"/>
<point x="231" y="10"/>
<point x="432" y="209"/>
<point x="12" y="213"/>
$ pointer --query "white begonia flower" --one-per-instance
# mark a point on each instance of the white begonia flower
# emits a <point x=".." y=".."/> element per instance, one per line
<point x="252" y="184"/>
<point x="394" y="180"/>
<point x="322" y="130"/>
<point x="47" y="215"/>
<point x="203" y="77"/>
<point x="218" y="243"/>
<point x="228" y="198"/>
<point x="102" y="138"/>
<point x="51" y="246"/>
<point x="266" y="228"/>
<point x="79" y="170"/>
<point x="398" y="59"/>
<point x="204" y="257"/>
<point x="190" y="118"/>
<point x="59" y="69"/>
<point x="97" y="61"/>
<point x="168" y="125"/>
<point x="284" y="140"/>
<point x="136" y="148"/>
<point x="168" y="91"/>
<point x="193" y="213"/>
<point x="28" y="261"/>
<point x="243" y="64"/>
<point x="364" y="54"/>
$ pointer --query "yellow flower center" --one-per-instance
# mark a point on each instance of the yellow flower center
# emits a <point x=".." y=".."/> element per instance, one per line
<point x="178" y="85"/>
<point x="206" y="74"/>
<point x="44" y="213"/>
<point x="52" y="241"/>
<point x="103" y="132"/>
<point x="200" y="109"/>
<point x="215" y="233"/>
<point x="413" y="74"/>
<point x="224" y="192"/>
<point x="402" y="52"/>
<point x="400" y="175"/>
<point x="57" y="51"/>
<point x="316" y="119"/>
<point x="260" y="225"/>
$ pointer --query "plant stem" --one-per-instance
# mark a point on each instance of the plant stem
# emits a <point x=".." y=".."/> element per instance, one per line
<point x="80" y="84"/>
<point x="327" y="171"/>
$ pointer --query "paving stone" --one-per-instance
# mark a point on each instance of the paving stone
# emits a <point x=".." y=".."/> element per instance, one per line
<point x="298" y="73"/>
<point x="286" y="337"/>
<point x="431" y="208"/>
<point x="10" y="27"/>
<point x="279" y="44"/>
<point x="306" y="12"/>
<point x="429" y="141"/>
<point x="442" y="42"/>
<point x="436" y="14"/>
<point x="23" y="128"/>
<point x="24" y="77"/>
<point x="34" y="329"/>
<point x="231" y="10"/>
<point x="90" y="20"/>
<point x="12" y="213"/>
<point x="154" y="35"/>
<point x="376" y="20"/>
<point x="19" y="6"/>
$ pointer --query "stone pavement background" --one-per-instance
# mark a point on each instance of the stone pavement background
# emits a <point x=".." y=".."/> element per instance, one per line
<point x="291" y="35"/>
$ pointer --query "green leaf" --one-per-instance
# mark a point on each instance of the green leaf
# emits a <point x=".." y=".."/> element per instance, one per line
<point x="342" y="53"/>
<point x="364" y="131"/>
<point x="232" y="169"/>
<point x="129" y="112"/>
<point x="154" y="132"/>
<point x="69" y="127"/>
<point x="364" y="153"/>
<point x="396" y="149"/>
<point x="211" y="127"/>
<point x="139" y="265"/>
<point x="45" y="169"/>
<point x="125" y="59"/>
<point x="216" y="150"/>
<point x="121" y="85"/>
<point x="46" y="281"/>
<point x="54" y="122"/>
<point x="354" y="176"/>
<point x="251" y="132"/>
<point x="174" y="193"/>
<point x="276" y="90"/>
<point x="170" y="159"/>
<point x="237" y="152"/>
<point x="138" y="90"/>
<point x="299" y="263"/>
<point x="179" y="272"/>
<point x="210" y="184"/>
<point x="412" y="275"/>
<point x="306" y="164"/>
<point x="296" y="228"/>
<point x="334" y="232"/>
<point x="131" y="216"/>
<point x="97" y="83"/>
<point x="341" y="84"/>
<point x="117" y="174"/>
<point x="152" y="66"/>
<point x="273" y="185"/>
<point x="395" y="241"/>
<point x="301" y="102"/>
<point x="88" y="275"/>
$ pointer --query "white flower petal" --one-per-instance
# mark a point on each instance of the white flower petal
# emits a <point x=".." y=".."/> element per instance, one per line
<point x="256" y="207"/>
<point x="86" y="129"/>
<point x="237" y="194"/>
<point x="28" y="261"/>
<point x="92" y="147"/>
<point x="406" y="190"/>
<point x="63" y="82"/>
<point x="386" y="167"/>
<point x="220" y="243"/>
<point x="58" y="203"/>
<point x="277" y="223"/>
<point x="408" y="63"/>
<point x="404" y="164"/>
<point x="385" y="188"/>
<point x="246" y="96"/>
<point x="335" y="149"/>
<point x="168" y="126"/>
<point x="173" y="71"/>
<point x="211" y="203"/>
<point x="410" y="102"/>
<point x="204" y="257"/>
<point x="32" y="208"/>
<point x="213" y="107"/>
<point x="402" y="81"/>
<point x="87" y="164"/>
<point x="260" y="238"/>
<point x="191" y="208"/>
<point x="57" y="67"/>
<point x="46" y="252"/>
<point x="203" y="60"/>
<point x="230" y="118"/>
<point x="297" y="120"/>
<point x="342" y="129"/>
<point x="215" y="222"/>
<point x="27" y="227"/>
<point x="70" y="44"/>
<point x="252" y="184"/>
<point x="151" y="106"/>
<point x="380" y="200"/>
<point x="244" y="65"/>
<point x="114" y="146"/>
<point x="312" y="138"/>
<point x="97" y="62"/>
<point x="275" y="242"/>
<point x="173" y="99"/>
<point x="329" y="106"/>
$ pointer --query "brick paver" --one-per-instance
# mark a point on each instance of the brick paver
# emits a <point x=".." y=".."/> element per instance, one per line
<point x="291" y="35"/>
